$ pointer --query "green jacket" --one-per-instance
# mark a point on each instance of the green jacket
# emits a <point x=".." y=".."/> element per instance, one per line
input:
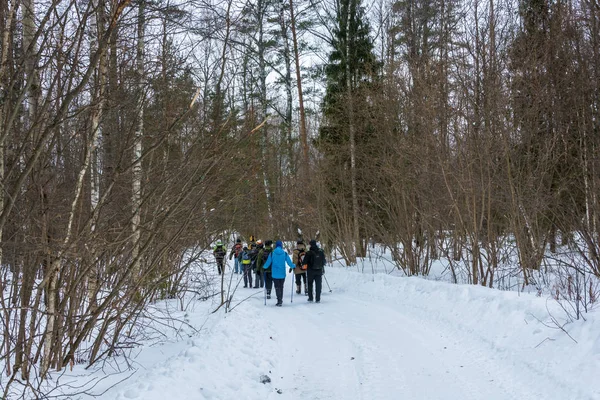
<point x="261" y="259"/>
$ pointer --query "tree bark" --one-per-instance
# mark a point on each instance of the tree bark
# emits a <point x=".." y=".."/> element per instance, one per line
<point x="99" y="98"/>
<point x="352" y="140"/>
<point x="136" y="199"/>
<point x="303" y="132"/>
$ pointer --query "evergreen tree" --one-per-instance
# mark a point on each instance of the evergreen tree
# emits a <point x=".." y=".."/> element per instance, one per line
<point x="351" y="76"/>
<point x="352" y="55"/>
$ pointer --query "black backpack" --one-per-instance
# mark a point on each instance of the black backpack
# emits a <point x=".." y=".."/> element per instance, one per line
<point x="318" y="259"/>
<point x="220" y="252"/>
<point x="265" y="255"/>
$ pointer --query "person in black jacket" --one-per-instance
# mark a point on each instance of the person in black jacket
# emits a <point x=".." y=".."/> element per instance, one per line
<point x="219" y="252"/>
<point x="315" y="262"/>
<point x="263" y="255"/>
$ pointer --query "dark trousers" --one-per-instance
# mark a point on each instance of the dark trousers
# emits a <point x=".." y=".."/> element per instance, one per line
<point x="317" y="278"/>
<point x="220" y="266"/>
<point x="247" y="275"/>
<point x="259" y="280"/>
<point x="300" y="278"/>
<point x="279" y="289"/>
<point x="268" y="281"/>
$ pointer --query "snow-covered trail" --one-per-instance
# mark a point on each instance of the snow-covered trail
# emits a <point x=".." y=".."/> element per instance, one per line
<point x="349" y="347"/>
<point x="376" y="337"/>
<point x="377" y="352"/>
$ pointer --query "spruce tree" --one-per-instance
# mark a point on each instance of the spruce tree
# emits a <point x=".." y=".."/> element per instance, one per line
<point x="344" y="136"/>
<point x="352" y="54"/>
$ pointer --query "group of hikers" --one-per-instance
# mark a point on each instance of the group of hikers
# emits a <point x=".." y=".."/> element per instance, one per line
<point x="268" y="265"/>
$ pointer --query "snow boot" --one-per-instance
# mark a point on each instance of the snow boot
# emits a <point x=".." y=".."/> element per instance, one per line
<point x="310" y="300"/>
<point x="297" y="289"/>
<point x="279" y="304"/>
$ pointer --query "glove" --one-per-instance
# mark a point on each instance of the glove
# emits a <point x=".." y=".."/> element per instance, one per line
<point x="290" y="271"/>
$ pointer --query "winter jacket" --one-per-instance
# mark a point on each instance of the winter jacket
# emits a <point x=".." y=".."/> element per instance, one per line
<point x="235" y="251"/>
<point x="244" y="257"/>
<point x="312" y="260"/>
<point x="253" y="256"/>
<point x="220" y="252"/>
<point x="300" y="248"/>
<point x="277" y="259"/>
<point x="261" y="259"/>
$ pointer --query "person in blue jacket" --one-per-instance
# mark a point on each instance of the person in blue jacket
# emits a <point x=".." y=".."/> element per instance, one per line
<point x="277" y="260"/>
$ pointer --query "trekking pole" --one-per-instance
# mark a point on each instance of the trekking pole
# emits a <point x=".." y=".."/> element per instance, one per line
<point x="292" y="297"/>
<point x="327" y="283"/>
<point x="265" y="285"/>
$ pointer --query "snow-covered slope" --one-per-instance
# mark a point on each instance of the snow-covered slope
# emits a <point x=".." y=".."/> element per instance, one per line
<point x="376" y="337"/>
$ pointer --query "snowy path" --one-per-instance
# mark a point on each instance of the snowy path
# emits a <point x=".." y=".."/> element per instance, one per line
<point x="378" y="352"/>
<point x="377" y="337"/>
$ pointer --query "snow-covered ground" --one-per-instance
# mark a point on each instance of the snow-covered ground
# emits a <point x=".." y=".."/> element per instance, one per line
<point x="374" y="336"/>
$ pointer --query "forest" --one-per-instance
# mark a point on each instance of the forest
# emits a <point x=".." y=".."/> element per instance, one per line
<point x="134" y="133"/>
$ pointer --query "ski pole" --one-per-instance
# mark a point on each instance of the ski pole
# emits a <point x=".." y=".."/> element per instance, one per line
<point x="327" y="283"/>
<point x="265" y="285"/>
<point x="292" y="296"/>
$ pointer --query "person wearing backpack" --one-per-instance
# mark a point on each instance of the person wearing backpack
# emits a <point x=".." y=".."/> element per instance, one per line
<point x="314" y="260"/>
<point x="235" y="251"/>
<point x="258" y="279"/>
<point x="246" y="262"/>
<point x="276" y="262"/>
<point x="297" y="259"/>
<point x="219" y="252"/>
<point x="263" y="255"/>
<point x="253" y="253"/>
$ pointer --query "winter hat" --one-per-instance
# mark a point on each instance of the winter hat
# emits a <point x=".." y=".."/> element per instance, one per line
<point x="219" y="243"/>
<point x="278" y="243"/>
<point x="238" y="240"/>
<point x="313" y="243"/>
<point x="299" y="241"/>
<point x="268" y="243"/>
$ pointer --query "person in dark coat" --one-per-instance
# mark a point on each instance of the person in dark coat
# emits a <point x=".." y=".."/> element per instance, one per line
<point x="219" y="252"/>
<point x="298" y="260"/>
<point x="235" y="251"/>
<point x="263" y="255"/>
<point x="253" y="253"/>
<point x="315" y="268"/>
<point x="276" y="263"/>
<point x="258" y="271"/>
<point x="246" y="263"/>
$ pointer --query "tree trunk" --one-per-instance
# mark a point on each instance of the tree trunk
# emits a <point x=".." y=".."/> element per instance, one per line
<point x="52" y="275"/>
<point x="97" y="25"/>
<point x="303" y="132"/>
<point x="352" y="139"/>
<point x="136" y="199"/>
<point x="5" y="50"/>
<point x="262" y="72"/>
<point x="30" y="50"/>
